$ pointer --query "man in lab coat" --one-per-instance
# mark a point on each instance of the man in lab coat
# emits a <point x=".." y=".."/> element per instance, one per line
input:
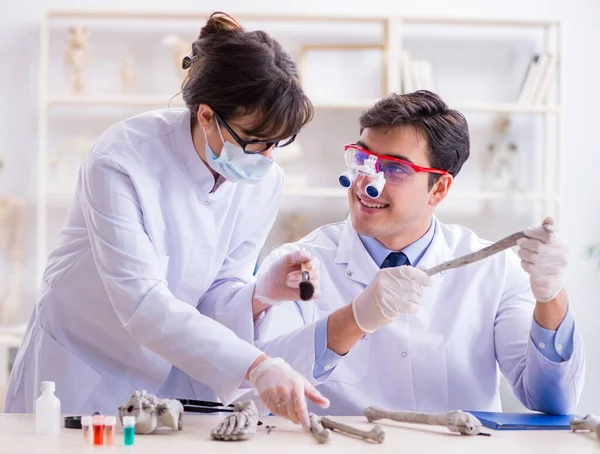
<point x="383" y="332"/>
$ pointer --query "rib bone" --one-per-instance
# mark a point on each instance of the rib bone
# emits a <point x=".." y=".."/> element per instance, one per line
<point x="376" y="434"/>
<point x="499" y="246"/>
<point x="317" y="430"/>
<point x="455" y="421"/>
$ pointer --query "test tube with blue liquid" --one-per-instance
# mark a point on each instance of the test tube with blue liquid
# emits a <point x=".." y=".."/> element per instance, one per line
<point x="128" y="430"/>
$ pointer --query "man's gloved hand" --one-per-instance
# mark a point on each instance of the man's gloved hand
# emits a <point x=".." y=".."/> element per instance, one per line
<point x="543" y="256"/>
<point x="283" y="390"/>
<point x="392" y="292"/>
<point x="279" y="280"/>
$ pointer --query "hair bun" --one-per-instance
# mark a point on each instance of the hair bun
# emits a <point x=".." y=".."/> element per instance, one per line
<point x="220" y="22"/>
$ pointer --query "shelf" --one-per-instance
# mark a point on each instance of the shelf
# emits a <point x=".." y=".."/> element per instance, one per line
<point x="505" y="108"/>
<point x="114" y="100"/>
<point x="62" y="196"/>
<point x="166" y="100"/>
<point x="195" y="16"/>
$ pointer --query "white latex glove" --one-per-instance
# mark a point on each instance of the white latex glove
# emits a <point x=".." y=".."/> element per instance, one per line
<point x="543" y="256"/>
<point x="283" y="390"/>
<point x="392" y="292"/>
<point x="280" y="280"/>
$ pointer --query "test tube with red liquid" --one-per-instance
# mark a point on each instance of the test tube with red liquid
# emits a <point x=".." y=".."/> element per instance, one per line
<point x="98" y="428"/>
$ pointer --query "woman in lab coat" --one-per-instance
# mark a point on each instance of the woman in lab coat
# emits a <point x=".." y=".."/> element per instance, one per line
<point x="171" y="210"/>
<point x="385" y="333"/>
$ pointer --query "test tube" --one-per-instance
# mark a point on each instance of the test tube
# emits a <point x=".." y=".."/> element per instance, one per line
<point x="109" y="430"/>
<point x="128" y="430"/>
<point x="86" y="427"/>
<point x="98" y="425"/>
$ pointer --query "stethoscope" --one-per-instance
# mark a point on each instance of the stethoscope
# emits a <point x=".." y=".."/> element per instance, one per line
<point x="375" y="186"/>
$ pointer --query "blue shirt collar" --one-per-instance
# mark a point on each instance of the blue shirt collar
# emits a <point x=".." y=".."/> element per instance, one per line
<point x="413" y="251"/>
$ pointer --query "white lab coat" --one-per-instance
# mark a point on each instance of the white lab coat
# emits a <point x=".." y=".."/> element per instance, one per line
<point x="473" y="324"/>
<point x="146" y="244"/>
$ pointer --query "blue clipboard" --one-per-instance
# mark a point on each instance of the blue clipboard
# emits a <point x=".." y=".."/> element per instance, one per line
<point x="523" y="421"/>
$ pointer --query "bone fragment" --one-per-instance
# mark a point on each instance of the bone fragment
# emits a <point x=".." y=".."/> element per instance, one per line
<point x="455" y="421"/>
<point x="239" y="425"/>
<point x="499" y="246"/>
<point x="317" y="430"/>
<point x="587" y="423"/>
<point x="151" y="412"/>
<point x="376" y="434"/>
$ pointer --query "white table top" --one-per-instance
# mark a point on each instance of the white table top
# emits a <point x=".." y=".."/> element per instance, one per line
<point x="17" y="435"/>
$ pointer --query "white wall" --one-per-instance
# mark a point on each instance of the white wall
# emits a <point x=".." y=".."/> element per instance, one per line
<point x="19" y="52"/>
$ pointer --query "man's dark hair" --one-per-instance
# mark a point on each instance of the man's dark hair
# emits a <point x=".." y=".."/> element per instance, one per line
<point x="238" y="72"/>
<point x="446" y="130"/>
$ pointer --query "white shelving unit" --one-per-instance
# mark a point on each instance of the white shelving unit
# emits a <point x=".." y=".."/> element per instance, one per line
<point x="388" y="34"/>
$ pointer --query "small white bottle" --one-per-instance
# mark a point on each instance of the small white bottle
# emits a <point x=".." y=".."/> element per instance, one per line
<point x="47" y="411"/>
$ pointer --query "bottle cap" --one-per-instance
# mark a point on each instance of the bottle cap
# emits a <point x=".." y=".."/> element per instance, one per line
<point x="86" y="420"/>
<point x="98" y="419"/>
<point x="48" y="386"/>
<point x="128" y="421"/>
<point x="110" y="420"/>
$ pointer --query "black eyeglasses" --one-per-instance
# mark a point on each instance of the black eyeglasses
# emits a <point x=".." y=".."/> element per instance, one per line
<point x="254" y="146"/>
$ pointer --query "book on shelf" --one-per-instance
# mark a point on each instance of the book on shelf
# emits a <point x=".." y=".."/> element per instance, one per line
<point x="538" y="79"/>
<point x="416" y="74"/>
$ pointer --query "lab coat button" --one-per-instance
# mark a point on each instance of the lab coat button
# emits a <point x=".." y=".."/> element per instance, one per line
<point x="404" y="354"/>
<point x="349" y="273"/>
<point x="542" y="345"/>
<point x="207" y="202"/>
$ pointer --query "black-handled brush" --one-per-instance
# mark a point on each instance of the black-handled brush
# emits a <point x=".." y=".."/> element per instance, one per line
<point x="307" y="289"/>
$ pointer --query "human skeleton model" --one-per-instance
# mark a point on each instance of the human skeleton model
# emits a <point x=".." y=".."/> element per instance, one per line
<point x="151" y="412"/>
<point x="239" y="425"/>
<point x="76" y="56"/>
<point x="180" y="49"/>
<point x="128" y="75"/>
<point x="502" y="165"/>
<point x="66" y="161"/>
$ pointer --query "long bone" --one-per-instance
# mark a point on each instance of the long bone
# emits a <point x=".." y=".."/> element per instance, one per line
<point x="499" y="246"/>
<point x="455" y="421"/>
<point x="376" y="434"/>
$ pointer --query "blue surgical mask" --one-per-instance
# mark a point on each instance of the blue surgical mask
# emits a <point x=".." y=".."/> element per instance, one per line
<point x="235" y="165"/>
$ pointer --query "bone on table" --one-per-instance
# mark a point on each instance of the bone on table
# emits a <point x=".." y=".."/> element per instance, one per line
<point x="239" y="425"/>
<point x="317" y="430"/>
<point x="587" y="423"/>
<point x="455" y="421"/>
<point x="499" y="246"/>
<point x="376" y="434"/>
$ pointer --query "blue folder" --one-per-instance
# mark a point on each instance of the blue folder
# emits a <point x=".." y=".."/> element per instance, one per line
<point x="523" y="421"/>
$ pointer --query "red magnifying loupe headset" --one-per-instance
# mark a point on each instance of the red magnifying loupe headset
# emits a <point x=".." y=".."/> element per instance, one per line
<point x="380" y="169"/>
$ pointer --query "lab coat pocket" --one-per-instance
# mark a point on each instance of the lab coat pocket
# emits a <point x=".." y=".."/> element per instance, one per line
<point x="75" y="380"/>
<point x="354" y="366"/>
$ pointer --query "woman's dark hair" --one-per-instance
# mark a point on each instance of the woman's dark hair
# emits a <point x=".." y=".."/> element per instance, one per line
<point x="446" y="130"/>
<point x="238" y="72"/>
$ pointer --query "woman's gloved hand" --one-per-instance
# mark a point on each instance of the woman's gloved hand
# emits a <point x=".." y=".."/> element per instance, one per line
<point x="284" y="391"/>
<point x="278" y="279"/>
